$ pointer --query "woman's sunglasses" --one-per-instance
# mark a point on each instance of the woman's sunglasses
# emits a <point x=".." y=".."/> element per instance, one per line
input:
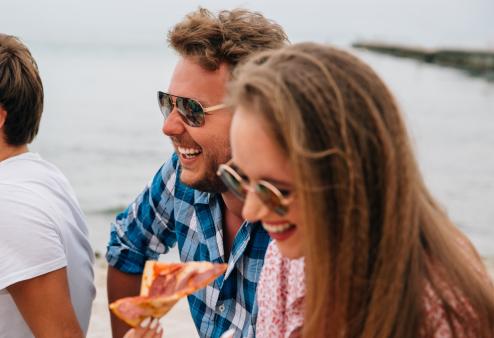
<point x="271" y="196"/>
<point x="191" y="111"/>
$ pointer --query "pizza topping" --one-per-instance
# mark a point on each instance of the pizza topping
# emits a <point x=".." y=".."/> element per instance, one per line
<point x="163" y="286"/>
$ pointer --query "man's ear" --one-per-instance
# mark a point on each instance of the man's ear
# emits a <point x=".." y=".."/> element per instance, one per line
<point x="3" y="116"/>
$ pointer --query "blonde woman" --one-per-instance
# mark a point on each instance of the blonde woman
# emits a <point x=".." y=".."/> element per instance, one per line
<point x="322" y="157"/>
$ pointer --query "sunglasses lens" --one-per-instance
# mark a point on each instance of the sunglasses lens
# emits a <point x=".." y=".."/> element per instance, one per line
<point x="270" y="198"/>
<point x="232" y="183"/>
<point x="165" y="103"/>
<point x="191" y="110"/>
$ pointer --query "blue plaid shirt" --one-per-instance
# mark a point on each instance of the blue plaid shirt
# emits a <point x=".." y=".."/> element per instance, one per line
<point x="168" y="212"/>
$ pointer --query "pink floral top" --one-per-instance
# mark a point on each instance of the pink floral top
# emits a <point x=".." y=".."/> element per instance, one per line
<point x="434" y="307"/>
<point x="281" y="291"/>
<point x="280" y="295"/>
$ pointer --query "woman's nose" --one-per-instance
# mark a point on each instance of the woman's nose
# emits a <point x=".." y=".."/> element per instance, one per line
<point x="254" y="209"/>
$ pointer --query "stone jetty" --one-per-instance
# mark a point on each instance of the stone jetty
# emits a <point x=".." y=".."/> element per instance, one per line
<point x="476" y="62"/>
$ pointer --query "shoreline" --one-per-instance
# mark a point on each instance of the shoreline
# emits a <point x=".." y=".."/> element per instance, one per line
<point x="177" y="323"/>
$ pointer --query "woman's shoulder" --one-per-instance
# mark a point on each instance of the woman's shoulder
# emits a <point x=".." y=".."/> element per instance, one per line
<point x="439" y="294"/>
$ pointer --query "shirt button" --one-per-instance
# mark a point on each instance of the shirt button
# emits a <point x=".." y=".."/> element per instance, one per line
<point x="221" y="307"/>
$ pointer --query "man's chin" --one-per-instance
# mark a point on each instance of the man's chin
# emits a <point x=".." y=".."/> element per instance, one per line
<point x="204" y="183"/>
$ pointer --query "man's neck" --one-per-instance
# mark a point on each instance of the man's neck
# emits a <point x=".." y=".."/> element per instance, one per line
<point x="232" y="220"/>
<point x="7" y="151"/>
<point x="232" y="204"/>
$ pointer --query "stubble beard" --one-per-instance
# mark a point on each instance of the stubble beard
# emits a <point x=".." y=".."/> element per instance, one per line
<point x="210" y="182"/>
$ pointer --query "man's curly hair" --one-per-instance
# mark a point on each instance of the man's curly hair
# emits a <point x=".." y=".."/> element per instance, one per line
<point x="226" y="38"/>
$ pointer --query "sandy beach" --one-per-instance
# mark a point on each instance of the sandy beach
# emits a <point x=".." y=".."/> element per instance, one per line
<point x="177" y="323"/>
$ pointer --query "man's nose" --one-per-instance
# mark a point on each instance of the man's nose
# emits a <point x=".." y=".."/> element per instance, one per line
<point x="254" y="209"/>
<point x="173" y="124"/>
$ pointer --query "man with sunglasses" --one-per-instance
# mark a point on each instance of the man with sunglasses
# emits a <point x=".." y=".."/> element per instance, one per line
<point x="186" y="203"/>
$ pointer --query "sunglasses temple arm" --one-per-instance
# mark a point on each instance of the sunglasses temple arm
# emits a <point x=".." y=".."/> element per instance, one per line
<point x="218" y="106"/>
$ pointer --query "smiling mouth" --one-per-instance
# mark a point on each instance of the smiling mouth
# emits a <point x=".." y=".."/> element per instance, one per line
<point x="277" y="228"/>
<point x="189" y="153"/>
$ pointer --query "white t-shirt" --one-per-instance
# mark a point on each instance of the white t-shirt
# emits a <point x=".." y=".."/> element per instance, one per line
<point x="42" y="229"/>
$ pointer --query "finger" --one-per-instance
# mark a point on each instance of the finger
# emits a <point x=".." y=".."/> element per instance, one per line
<point x="145" y="323"/>
<point x="142" y="330"/>
<point x="138" y="332"/>
<point x="158" y="333"/>
<point x="129" y="334"/>
<point x="152" y="329"/>
<point x="154" y="324"/>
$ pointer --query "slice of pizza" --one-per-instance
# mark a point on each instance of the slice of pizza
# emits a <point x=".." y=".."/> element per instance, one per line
<point x="162" y="285"/>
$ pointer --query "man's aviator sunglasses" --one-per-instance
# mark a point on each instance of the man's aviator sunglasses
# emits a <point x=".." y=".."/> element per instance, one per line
<point x="271" y="196"/>
<point x="190" y="110"/>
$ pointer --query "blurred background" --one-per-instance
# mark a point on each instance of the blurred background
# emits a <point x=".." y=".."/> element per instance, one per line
<point x="102" y="61"/>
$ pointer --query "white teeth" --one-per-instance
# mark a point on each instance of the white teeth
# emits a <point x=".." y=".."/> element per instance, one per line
<point x="277" y="228"/>
<point x="189" y="151"/>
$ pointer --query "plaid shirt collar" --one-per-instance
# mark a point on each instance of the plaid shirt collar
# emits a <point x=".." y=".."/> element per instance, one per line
<point x="201" y="197"/>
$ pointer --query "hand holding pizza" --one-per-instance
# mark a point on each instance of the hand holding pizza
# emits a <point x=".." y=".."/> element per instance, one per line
<point x="162" y="285"/>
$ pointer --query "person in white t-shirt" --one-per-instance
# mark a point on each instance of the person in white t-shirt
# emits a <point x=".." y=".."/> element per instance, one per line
<point x="46" y="265"/>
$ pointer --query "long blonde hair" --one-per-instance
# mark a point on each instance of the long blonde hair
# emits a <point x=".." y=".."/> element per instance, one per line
<point x="375" y="241"/>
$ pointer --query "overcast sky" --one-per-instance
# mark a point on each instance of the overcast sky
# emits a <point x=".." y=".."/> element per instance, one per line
<point x="145" y="22"/>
